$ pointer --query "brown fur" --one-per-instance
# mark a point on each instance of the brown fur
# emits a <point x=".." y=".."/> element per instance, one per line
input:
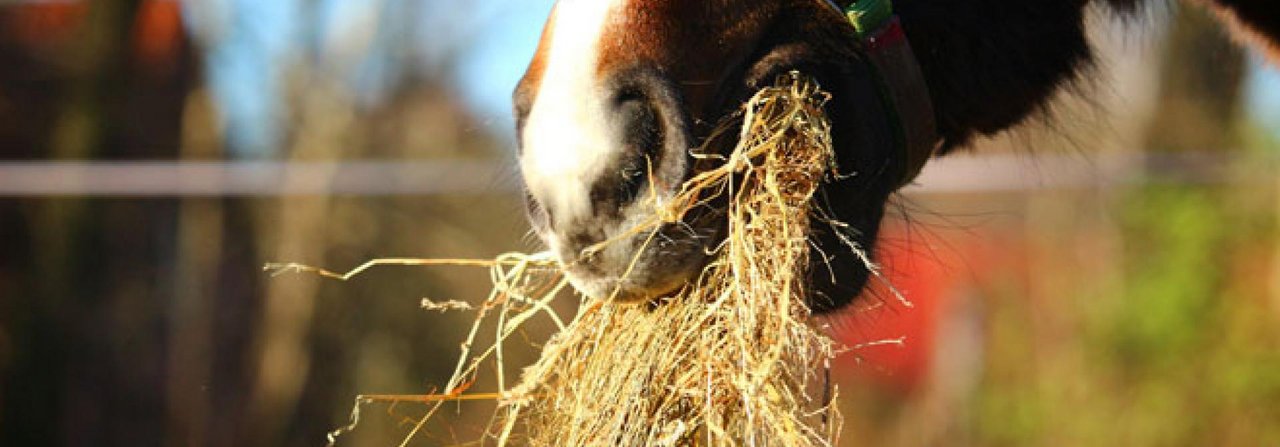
<point x="988" y="65"/>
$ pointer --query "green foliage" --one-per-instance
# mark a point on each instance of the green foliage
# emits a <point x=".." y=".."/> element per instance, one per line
<point x="1176" y="255"/>
<point x="1178" y="348"/>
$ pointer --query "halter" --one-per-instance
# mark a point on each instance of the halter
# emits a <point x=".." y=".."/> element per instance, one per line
<point x="899" y="81"/>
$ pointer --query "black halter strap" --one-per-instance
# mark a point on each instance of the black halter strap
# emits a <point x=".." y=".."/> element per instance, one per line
<point x="899" y="80"/>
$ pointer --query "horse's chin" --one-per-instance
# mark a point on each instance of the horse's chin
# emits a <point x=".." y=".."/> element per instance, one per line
<point x="644" y="283"/>
<point x="617" y="290"/>
<point x="630" y="275"/>
<point x="639" y="268"/>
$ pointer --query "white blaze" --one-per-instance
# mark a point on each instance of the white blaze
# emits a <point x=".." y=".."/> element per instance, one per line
<point x="566" y="141"/>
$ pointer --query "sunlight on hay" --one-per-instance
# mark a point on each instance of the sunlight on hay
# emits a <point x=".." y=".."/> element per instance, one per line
<point x="731" y="359"/>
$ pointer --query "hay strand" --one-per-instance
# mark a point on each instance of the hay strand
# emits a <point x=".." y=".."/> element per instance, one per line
<point x="731" y="359"/>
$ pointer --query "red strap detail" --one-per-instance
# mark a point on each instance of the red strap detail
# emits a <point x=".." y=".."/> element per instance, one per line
<point x="887" y="36"/>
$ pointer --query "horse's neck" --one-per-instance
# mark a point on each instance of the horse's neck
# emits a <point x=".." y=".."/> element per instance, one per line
<point x="992" y="63"/>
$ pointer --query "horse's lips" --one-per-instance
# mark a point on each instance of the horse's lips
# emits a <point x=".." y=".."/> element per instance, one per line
<point x="640" y="268"/>
<point x="616" y="289"/>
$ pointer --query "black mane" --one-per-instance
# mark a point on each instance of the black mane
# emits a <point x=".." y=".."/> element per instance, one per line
<point x="990" y="64"/>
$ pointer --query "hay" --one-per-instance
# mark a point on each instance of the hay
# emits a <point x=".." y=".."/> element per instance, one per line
<point x="729" y="360"/>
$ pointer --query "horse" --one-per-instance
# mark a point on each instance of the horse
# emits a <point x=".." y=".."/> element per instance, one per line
<point x="619" y="92"/>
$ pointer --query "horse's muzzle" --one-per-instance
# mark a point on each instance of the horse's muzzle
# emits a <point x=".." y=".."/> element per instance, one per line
<point x="632" y="155"/>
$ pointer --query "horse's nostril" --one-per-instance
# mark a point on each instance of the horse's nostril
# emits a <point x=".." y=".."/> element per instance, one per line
<point x="594" y="162"/>
<point x="641" y="129"/>
<point x="642" y="138"/>
<point x="637" y="124"/>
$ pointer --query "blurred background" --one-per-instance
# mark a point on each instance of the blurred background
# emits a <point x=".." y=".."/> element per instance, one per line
<point x="1110" y="275"/>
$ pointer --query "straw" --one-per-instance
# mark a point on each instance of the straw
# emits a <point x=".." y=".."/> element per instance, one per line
<point x="731" y="359"/>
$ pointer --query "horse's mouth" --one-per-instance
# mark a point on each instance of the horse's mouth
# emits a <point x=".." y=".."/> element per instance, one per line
<point x="647" y="265"/>
<point x="592" y="220"/>
<point x="618" y="260"/>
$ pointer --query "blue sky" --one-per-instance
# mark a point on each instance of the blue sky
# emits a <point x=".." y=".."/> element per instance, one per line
<point x="1264" y="95"/>
<point x="251" y="42"/>
<point x="498" y="58"/>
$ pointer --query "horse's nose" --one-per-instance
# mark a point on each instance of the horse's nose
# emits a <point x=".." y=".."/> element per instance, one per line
<point x="646" y="156"/>
<point x="599" y="161"/>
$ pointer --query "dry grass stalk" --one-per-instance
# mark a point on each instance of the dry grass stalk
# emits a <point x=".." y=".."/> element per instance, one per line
<point x="729" y="360"/>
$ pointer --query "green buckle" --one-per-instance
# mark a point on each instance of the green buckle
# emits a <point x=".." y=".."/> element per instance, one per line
<point x="868" y="16"/>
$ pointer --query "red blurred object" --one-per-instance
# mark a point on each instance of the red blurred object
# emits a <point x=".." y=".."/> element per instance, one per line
<point x="880" y="320"/>
<point x="931" y="273"/>
<point x="157" y="33"/>
<point x="900" y="342"/>
<point x="43" y="24"/>
<point x="156" y="38"/>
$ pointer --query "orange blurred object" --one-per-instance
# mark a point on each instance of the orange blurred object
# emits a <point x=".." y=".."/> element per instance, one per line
<point x="44" y="24"/>
<point x="933" y="274"/>
<point x="157" y="33"/>
<point x="880" y="320"/>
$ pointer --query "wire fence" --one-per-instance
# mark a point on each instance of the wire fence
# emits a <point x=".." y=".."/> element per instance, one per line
<point x="998" y="173"/>
<point x="254" y="178"/>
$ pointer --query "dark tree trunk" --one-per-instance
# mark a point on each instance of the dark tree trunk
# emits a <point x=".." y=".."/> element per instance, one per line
<point x="80" y="359"/>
